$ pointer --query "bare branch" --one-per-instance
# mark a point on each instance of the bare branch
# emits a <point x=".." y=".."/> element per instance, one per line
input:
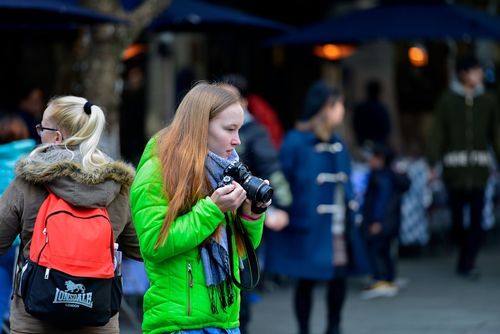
<point x="111" y="7"/>
<point x="143" y="15"/>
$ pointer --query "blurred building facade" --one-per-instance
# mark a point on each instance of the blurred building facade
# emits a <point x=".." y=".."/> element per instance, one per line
<point x="173" y="61"/>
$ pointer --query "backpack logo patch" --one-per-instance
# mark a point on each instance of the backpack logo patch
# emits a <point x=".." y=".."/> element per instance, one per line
<point x="73" y="296"/>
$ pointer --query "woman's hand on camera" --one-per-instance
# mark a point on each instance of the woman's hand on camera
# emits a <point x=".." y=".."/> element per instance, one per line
<point x="230" y="197"/>
<point x="246" y="209"/>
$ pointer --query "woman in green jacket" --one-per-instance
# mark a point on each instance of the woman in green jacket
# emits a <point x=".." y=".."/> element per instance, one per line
<point x="180" y="215"/>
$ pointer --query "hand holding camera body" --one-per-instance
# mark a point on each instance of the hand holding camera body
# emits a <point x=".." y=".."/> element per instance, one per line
<point x="258" y="190"/>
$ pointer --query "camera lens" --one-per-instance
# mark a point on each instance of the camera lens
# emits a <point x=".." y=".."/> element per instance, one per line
<point x="264" y="194"/>
<point x="257" y="190"/>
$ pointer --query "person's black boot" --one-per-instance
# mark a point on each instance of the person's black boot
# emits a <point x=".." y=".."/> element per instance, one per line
<point x="333" y="329"/>
<point x="303" y="331"/>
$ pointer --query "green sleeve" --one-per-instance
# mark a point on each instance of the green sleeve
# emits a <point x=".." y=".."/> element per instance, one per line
<point x="149" y="207"/>
<point x="254" y="229"/>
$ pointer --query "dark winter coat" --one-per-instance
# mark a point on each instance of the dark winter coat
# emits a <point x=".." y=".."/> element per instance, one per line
<point x="382" y="202"/>
<point x="314" y="169"/>
<point x="258" y="153"/>
<point x="371" y="122"/>
<point x="464" y="131"/>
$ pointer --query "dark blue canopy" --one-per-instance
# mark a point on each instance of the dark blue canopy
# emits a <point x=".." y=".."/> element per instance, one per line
<point x="193" y="15"/>
<point x="399" y="22"/>
<point x="180" y="15"/>
<point x="48" y="14"/>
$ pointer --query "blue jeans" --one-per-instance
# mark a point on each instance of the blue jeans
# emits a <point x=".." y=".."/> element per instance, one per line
<point x="209" y="330"/>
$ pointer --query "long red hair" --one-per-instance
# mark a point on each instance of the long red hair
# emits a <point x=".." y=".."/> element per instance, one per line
<point x="182" y="150"/>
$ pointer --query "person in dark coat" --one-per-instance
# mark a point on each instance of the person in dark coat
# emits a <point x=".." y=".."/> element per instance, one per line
<point x="465" y="133"/>
<point x="382" y="219"/>
<point x="321" y="242"/>
<point x="371" y="120"/>
<point x="30" y="107"/>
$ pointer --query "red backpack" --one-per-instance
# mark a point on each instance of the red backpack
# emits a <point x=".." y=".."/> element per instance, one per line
<point x="69" y="279"/>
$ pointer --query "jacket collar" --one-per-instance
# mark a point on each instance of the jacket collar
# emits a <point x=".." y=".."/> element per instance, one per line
<point x="457" y="88"/>
<point x="60" y="170"/>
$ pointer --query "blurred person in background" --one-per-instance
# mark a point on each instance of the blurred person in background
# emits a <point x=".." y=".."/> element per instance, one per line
<point x="321" y="242"/>
<point x="382" y="219"/>
<point x="14" y="144"/>
<point x="132" y="115"/>
<point x="466" y="127"/>
<point x="30" y="107"/>
<point x="371" y="119"/>
<point x="259" y="154"/>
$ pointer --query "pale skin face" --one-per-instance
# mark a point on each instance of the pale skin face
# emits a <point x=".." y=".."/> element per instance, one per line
<point x="53" y="136"/>
<point x="330" y="115"/>
<point x="223" y="136"/>
<point x="472" y="77"/>
<point x="334" y="114"/>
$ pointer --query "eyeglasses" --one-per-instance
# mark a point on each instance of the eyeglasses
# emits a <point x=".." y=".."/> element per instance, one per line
<point x="39" y="129"/>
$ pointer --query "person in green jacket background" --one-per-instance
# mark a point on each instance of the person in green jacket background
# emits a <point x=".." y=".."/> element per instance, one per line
<point x="180" y="214"/>
<point x="465" y="133"/>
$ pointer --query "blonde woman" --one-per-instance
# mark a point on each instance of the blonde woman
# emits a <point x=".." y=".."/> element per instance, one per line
<point x="68" y="164"/>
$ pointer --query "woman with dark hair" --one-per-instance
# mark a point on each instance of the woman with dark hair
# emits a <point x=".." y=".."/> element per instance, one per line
<point x="317" y="243"/>
<point x="186" y="220"/>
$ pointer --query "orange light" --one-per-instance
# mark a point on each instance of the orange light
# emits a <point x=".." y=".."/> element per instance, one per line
<point x="133" y="50"/>
<point x="418" y="56"/>
<point x="333" y="51"/>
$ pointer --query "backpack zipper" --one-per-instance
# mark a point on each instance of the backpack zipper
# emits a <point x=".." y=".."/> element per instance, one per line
<point x="47" y="270"/>
<point x="190" y="286"/>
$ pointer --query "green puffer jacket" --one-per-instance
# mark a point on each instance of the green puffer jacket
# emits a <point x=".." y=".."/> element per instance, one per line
<point x="463" y="133"/>
<point x="178" y="297"/>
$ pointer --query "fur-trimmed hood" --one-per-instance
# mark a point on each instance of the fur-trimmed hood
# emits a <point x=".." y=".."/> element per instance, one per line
<point x="60" y="169"/>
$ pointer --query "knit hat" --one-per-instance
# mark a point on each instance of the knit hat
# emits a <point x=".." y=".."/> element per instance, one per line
<point x="316" y="97"/>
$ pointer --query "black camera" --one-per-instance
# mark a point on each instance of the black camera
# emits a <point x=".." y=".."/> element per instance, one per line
<point x="257" y="190"/>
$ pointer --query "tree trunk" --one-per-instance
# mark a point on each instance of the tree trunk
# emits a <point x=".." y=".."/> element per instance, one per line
<point x="100" y="50"/>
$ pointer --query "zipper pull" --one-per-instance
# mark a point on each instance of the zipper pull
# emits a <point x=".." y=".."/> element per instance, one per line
<point x="190" y="273"/>
<point x="47" y="270"/>
<point x="46" y="235"/>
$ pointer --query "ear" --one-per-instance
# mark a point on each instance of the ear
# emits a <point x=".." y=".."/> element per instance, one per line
<point x="59" y="137"/>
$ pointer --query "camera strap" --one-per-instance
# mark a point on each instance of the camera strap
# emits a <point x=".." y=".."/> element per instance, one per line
<point x="253" y="263"/>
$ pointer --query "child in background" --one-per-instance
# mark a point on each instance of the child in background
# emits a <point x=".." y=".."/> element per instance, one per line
<point x="382" y="219"/>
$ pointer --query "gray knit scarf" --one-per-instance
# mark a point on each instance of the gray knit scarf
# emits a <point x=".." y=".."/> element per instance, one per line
<point x="214" y="252"/>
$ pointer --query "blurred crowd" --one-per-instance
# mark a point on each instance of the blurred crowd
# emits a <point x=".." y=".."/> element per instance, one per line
<point x="337" y="211"/>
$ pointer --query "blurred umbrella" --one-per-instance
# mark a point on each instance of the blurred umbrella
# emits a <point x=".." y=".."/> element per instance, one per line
<point x="399" y="22"/>
<point x="19" y="14"/>
<point x="194" y="15"/>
